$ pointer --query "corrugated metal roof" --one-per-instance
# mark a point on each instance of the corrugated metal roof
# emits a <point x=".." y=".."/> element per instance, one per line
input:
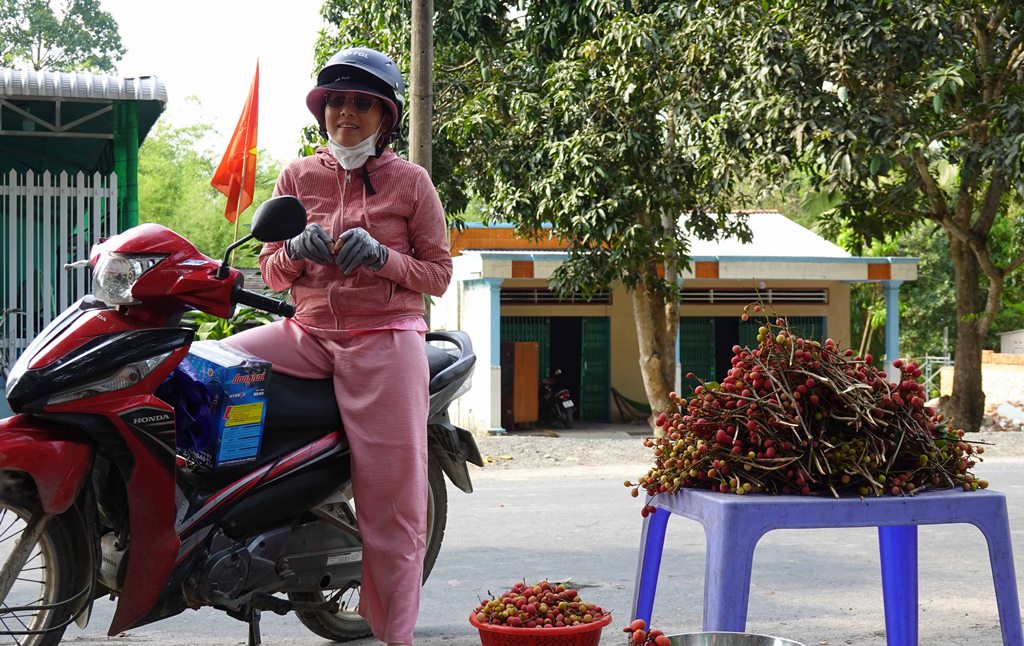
<point x="80" y="85"/>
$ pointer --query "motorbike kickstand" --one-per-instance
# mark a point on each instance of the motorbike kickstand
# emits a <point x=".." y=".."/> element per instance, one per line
<point x="254" y="625"/>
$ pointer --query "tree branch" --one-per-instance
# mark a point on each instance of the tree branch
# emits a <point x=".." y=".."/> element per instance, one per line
<point x="977" y="246"/>
<point x="990" y="205"/>
<point x="1014" y="57"/>
<point x="931" y="187"/>
<point x="1015" y="264"/>
<point x="963" y="130"/>
<point x="459" y="68"/>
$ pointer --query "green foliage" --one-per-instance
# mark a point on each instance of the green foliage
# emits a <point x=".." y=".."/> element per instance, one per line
<point x="210" y="327"/>
<point x="175" y="191"/>
<point x="78" y="35"/>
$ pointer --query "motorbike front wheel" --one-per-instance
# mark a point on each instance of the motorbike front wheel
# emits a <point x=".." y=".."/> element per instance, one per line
<point x="346" y="624"/>
<point x="31" y="612"/>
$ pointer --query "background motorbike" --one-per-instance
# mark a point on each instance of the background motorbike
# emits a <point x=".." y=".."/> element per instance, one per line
<point x="101" y="503"/>
<point x="556" y="402"/>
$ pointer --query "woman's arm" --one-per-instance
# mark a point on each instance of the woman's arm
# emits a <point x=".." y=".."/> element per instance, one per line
<point x="428" y="269"/>
<point x="280" y="271"/>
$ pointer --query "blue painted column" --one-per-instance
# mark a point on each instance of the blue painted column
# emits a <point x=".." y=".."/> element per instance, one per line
<point x="494" y="284"/>
<point x="897" y="544"/>
<point x="892" y="327"/>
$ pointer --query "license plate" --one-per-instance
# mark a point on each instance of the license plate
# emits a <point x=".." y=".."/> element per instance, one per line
<point x="567" y="403"/>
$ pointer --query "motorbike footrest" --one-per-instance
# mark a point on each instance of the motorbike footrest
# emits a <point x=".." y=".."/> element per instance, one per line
<point x="272" y="603"/>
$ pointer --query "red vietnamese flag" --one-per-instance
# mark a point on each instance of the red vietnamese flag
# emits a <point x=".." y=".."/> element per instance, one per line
<point x="235" y="177"/>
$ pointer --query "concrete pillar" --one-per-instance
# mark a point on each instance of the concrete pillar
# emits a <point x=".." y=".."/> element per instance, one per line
<point x="480" y="317"/>
<point x="892" y="327"/>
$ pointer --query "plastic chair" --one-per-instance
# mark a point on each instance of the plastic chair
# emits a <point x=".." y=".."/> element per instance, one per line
<point x="733" y="525"/>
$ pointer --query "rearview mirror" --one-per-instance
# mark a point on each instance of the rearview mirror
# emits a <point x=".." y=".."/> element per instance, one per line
<point x="279" y="218"/>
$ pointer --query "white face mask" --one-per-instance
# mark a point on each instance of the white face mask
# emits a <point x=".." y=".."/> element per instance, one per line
<point x="352" y="157"/>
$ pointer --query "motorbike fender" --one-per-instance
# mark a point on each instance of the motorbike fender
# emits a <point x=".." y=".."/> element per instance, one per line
<point x="451" y="447"/>
<point x="57" y="459"/>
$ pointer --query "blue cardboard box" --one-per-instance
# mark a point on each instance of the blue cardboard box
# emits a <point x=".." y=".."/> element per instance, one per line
<point x="223" y="425"/>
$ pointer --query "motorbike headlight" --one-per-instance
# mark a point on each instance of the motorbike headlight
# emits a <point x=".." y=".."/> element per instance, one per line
<point x="126" y="377"/>
<point x="114" y="276"/>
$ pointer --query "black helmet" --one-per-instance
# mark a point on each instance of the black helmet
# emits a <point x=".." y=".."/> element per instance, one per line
<point x="364" y="70"/>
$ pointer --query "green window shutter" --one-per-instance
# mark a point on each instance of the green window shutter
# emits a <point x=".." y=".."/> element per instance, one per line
<point x="595" y="371"/>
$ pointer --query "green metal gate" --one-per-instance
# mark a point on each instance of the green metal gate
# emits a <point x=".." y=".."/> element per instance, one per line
<point x="530" y="328"/>
<point x="595" y="369"/>
<point x="697" y="350"/>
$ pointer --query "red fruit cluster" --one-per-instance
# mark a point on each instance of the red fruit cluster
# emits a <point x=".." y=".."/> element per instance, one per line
<point x="640" y="636"/>
<point x="541" y="605"/>
<point x="798" y="416"/>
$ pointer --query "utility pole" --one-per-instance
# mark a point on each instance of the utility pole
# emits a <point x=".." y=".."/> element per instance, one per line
<point x="421" y="91"/>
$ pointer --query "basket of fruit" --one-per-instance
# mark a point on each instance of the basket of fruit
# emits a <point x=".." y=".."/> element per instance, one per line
<point x="543" y="614"/>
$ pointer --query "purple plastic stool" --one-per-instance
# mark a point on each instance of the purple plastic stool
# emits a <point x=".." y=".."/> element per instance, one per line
<point x="733" y="525"/>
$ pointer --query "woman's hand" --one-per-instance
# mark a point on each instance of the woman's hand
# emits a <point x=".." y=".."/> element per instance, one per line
<point x="356" y="246"/>
<point x="312" y="244"/>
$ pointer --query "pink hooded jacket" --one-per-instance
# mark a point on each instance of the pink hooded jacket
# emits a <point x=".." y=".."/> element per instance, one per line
<point x="404" y="214"/>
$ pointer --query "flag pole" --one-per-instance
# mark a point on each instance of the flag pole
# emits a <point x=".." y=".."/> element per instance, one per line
<point x="238" y="213"/>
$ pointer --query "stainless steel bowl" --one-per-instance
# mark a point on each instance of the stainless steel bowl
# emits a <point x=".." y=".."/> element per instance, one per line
<point x="729" y="639"/>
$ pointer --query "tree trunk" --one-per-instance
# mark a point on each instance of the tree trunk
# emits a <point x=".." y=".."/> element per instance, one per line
<point x="968" y="400"/>
<point x="657" y="350"/>
<point x="421" y="90"/>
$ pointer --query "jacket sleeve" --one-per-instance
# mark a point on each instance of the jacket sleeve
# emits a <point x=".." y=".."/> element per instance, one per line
<point x="428" y="269"/>
<point x="279" y="271"/>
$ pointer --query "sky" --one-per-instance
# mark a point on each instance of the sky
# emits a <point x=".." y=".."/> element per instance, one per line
<point x="208" y="49"/>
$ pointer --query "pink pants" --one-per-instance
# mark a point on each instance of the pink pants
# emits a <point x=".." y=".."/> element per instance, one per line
<point x="381" y="383"/>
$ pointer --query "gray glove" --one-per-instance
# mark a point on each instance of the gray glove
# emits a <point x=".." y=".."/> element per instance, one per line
<point x="360" y="247"/>
<point x="312" y="244"/>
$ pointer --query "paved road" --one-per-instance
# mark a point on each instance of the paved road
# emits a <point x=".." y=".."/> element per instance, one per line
<point x="579" y="524"/>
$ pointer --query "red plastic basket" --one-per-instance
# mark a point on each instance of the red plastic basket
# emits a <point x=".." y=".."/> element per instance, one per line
<point x="582" y="635"/>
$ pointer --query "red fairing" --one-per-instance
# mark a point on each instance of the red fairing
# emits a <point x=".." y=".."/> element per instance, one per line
<point x="57" y="460"/>
<point x="88" y="326"/>
<point x="184" y="276"/>
<point x="151" y="501"/>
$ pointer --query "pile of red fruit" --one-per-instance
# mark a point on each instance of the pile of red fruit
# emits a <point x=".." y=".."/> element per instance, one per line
<point x="542" y="605"/>
<point x="796" y="416"/>
<point x="640" y="636"/>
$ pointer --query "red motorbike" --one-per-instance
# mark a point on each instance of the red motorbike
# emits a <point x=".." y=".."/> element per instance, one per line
<point x="96" y="500"/>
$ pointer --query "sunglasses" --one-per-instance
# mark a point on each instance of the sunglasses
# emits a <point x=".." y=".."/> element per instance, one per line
<point x="360" y="102"/>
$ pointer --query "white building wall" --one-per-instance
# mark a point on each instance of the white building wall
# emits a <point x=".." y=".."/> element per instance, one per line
<point x="479" y="410"/>
<point x="1012" y="342"/>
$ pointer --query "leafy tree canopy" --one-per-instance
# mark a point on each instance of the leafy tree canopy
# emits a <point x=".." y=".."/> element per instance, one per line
<point x="903" y="111"/>
<point x="65" y="36"/>
<point x="595" y="117"/>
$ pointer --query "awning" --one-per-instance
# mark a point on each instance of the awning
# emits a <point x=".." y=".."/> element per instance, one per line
<point x="68" y="121"/>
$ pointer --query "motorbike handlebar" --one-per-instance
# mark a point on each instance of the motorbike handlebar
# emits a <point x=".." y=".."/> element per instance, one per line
<point x="260" y="302"/>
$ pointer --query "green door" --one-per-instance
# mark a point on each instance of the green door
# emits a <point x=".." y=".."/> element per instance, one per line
<point x="595" y="369"/>
<point x="696" y="350"/>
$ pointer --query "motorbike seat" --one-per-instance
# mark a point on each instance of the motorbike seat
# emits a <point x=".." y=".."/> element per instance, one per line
<point x="299" y="412"/>
<point x="307" y="407"/>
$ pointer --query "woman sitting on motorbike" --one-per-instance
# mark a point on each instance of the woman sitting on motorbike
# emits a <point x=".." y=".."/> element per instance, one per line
<point x="375" y="243"/>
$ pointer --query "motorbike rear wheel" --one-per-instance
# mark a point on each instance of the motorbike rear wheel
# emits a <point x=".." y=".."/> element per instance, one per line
<point x="346" y="624"/>
<point x="45" y="579"/>
<point x="565" y="416"/>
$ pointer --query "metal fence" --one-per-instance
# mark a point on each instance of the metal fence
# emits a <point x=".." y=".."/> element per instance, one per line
<point x="46" y="221"/>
